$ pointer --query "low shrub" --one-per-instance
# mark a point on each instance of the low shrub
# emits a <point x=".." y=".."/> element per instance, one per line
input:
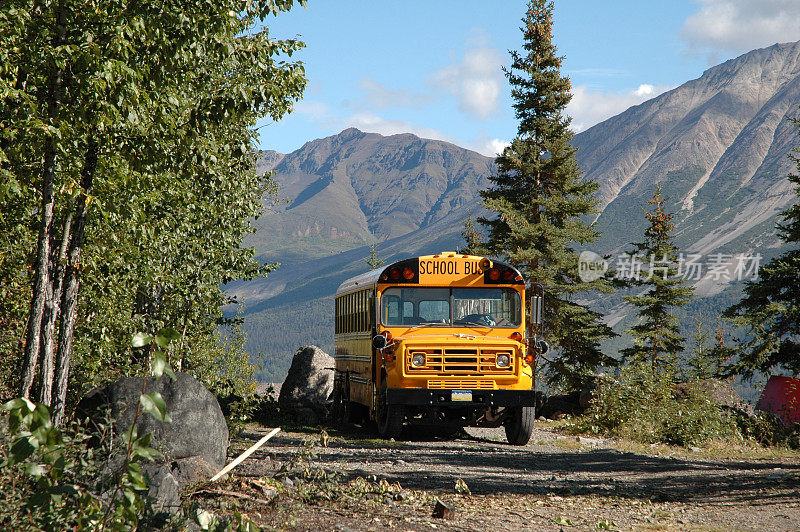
<point x="641" y="405"/>
<point x="768" y="429"/>
<point x="53" y="480"/>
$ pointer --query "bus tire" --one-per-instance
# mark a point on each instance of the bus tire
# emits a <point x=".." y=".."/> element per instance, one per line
<point x="390" y="417"/>
<point x="519" y="425"/>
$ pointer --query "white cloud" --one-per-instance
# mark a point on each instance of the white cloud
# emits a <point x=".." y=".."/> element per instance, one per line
<point x="371" y="123"/>
<point x="491" y="147"/>
<point x="741" y="25"/>
<point x="315" y="111"/>
<point x="321" y="115"/>
<point x="377" y="96"/>
<point x="375" y="124"/>
<point x="645" y="89"/>
<point x="476" y="82"/>
<point x="589" y="107"/>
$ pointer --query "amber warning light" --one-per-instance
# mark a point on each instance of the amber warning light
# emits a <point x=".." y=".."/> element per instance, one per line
<point x="402" y="272"/>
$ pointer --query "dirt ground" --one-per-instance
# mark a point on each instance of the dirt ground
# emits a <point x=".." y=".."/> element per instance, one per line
<point x="556" y="482"/>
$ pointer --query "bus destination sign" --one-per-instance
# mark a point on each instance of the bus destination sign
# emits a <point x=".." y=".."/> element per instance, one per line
<point x="448" y="268"/>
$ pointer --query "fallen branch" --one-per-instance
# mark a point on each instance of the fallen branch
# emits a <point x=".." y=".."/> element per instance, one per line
<point x="242" y="457"/>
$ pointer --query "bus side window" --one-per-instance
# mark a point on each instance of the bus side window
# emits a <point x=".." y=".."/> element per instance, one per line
<point x="362" y="314"/>
<point x="352" y="314"/>
<point x="360" y="311"/>
<point x="347" y="313"/>
<point x="408" y="309"/>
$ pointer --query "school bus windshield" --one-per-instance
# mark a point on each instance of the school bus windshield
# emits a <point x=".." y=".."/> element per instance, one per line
<point x="485" y="307"/>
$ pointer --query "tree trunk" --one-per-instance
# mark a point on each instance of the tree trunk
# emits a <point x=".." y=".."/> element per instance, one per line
<point x="51" y="310"/>
<point x="69" y="299"/>
<point x="42" y="266"/>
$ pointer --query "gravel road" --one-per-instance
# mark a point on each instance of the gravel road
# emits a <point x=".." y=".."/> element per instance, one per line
<point x="555" y="482"/>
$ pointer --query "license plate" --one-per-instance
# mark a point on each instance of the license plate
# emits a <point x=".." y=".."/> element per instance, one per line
<point x="461" y="395"/>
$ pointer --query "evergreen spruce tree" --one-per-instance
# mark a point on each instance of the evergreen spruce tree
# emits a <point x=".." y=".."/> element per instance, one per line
<point x="541" y="201"/>
<point x="721" y="354"/>
<point x="473" y="237"/>
<point x="657" y="335"/>
<point x="373" y="260"/>
<point x="770" y="309"/>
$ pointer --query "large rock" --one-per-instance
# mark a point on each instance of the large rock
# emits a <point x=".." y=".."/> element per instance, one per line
<point x="198" y="428"/>
<point x="194" y="445"/>
<point x="309" y="383"/>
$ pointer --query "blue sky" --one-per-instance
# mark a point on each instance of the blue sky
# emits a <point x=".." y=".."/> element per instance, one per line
<point x="433" y="67"/>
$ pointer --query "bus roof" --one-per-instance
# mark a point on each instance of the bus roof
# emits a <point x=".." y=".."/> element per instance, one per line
<point x="371" y="278"/>
<point x="360" y="282"/>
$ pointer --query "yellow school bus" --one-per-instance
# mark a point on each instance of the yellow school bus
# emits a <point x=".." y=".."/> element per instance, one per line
<point x="436" y="339"/>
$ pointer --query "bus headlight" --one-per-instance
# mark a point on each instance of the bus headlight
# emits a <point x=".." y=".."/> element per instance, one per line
<point x="503" y="360"/>
<point x="418" y="360"/>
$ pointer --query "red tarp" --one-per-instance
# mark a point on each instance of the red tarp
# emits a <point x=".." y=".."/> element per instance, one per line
<point x="781" y="396"/>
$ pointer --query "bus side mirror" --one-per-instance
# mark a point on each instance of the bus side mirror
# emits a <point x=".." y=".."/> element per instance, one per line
<point x="379" y="341"/>
<point x="542" y="346"/>
<point x="537" y="307"/>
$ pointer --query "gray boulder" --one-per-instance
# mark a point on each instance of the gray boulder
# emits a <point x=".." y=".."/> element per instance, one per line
<point x="198" y="428"/>
<point x="308" y="384"/>
<point x="194" y="445"/>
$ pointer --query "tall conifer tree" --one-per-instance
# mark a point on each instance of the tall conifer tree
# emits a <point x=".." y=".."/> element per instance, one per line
<point x="541" y="201"/>
<point x="770" y="309"/>
<point x="657" y="336"/>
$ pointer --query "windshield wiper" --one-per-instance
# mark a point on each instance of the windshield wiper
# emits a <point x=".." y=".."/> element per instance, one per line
<point x="430" y="323"/>
<point x="475" y="323"/>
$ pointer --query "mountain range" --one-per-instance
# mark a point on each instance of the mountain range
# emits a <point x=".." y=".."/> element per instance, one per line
<point x="717" y="146"/>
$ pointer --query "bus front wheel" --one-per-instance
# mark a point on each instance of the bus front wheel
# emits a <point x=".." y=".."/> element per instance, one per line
<point x="519" y="424"/>
<point x="390" y="417"/>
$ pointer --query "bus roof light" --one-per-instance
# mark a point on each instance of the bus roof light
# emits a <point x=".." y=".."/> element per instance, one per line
<point x="494" y="274"/>
<point x="394" y="274"/>
<point x="408" y="273"/>
<point x="508" y="275"/>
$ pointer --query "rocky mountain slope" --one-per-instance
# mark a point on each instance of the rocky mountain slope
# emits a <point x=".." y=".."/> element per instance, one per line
<point x="344" y="191"/>
<point x="717" y="146"/>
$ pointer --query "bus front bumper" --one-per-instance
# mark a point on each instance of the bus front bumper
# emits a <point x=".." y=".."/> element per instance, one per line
<point x="460" y="398"/>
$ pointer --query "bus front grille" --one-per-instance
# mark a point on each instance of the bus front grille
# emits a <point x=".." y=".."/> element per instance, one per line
<point x="460" y="361"/>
